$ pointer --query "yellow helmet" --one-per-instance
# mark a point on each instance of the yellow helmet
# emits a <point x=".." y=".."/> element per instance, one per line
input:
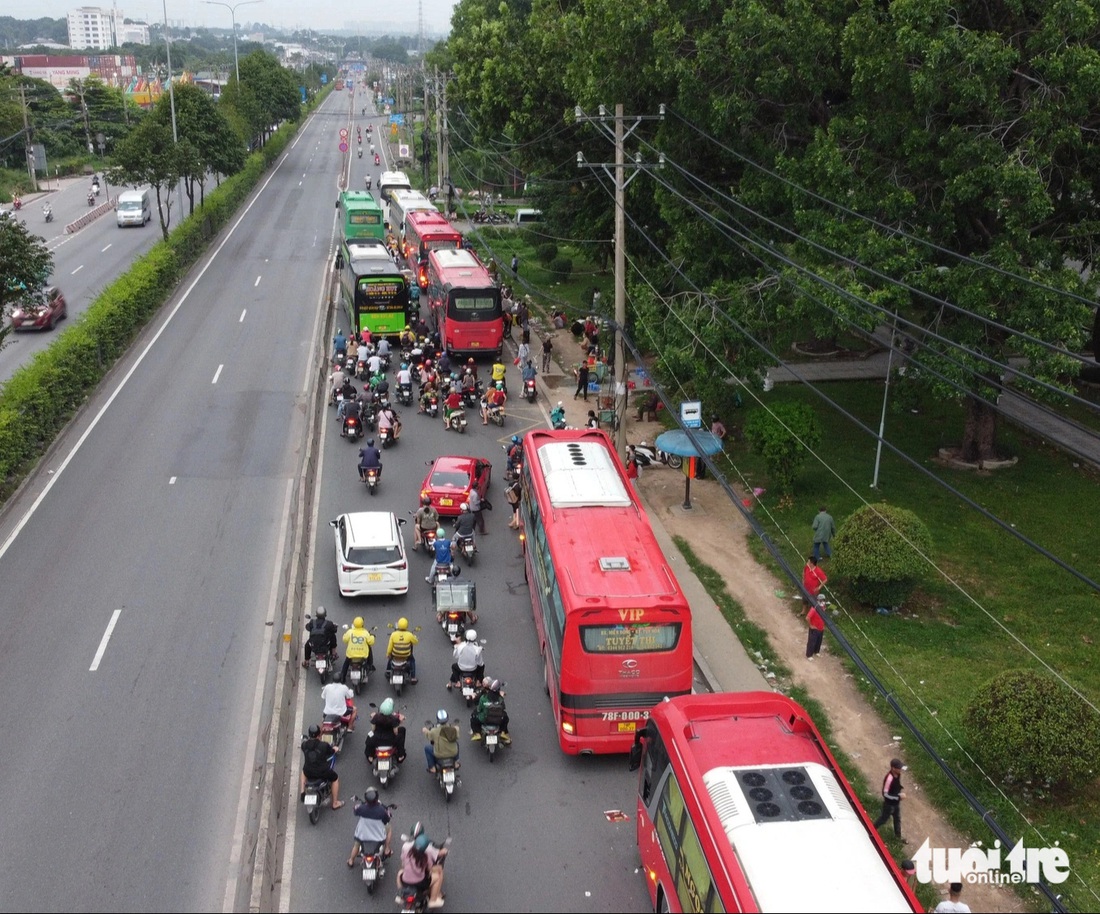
<point x="357" y="622"/>
<point x="402" y="624"/>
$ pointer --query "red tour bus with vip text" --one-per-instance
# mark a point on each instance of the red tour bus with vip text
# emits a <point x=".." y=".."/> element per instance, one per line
<point x="464" y="304"/>
<point x="614" y="627"/>
<point x="425" y="232"/>
<point x="741" y="807"/>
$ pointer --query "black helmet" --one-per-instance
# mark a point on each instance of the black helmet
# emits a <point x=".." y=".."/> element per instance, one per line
<point x="370" y="443"/>
<point x="314" y="731"/>
<point x="371" y="795"/>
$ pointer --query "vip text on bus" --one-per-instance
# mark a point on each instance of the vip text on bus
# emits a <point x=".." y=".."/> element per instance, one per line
<point x="614" y="627"/>
<point x="362" y="216"/>
<point x="741" y="807"/>
<point x="465" y="304"/>
<point x="374" y="290"/>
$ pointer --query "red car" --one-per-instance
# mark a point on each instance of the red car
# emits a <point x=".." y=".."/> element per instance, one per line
<point x="40" y="313"/>
<point x="450" y="480"/>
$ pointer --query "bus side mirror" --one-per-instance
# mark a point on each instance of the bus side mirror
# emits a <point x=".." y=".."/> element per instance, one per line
<point x="636" y="756"/>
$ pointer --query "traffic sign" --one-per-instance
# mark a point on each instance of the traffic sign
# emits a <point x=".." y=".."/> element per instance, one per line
<point x="691" y="413"/>
<point x="343" y="146"/>
<point x="343" y="133"/>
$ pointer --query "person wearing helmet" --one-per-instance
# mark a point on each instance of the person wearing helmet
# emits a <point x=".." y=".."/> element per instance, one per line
<point x="515" y="455"/>
<point x="490" y="710"/>
<point x="404" y="377"/>
<point x="388" y="418"/>
<point x="320" y="636"/>
<point x="500" y="375"/>
<point x="425" y="520"/>
<point x="493" y="402"/>
<point x="407" y="338"/>
<point x="451" y="405"/>
<point x="387" y="729"/>
<point x="370" y="458"/>
<point x="318" y="763"/>
<point x="557" y="416"/>
<point x="383" y="349"/>
<point x="443" y="557"/>
<point x="372" y="826"/>
<point x="357" y="646"/>
<point x="401" y="646"/>
<point x="336" y="380"/>
<point x="471" y="367"/>
<point x="443" y="741"/>
<point x="422" y="869"/>
<point x="339" y="347"/>
<point x="469" y="660"/>
<point x="464" y="524"/>
<point x="444" y="363"/>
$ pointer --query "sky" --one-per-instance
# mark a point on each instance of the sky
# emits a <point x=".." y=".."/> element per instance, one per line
<point x="400" y="18"/>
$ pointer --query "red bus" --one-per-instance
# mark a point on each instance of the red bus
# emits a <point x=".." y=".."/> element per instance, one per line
<point x="614" y="627"/>
<point x="427" y="231"/>
<point x="464" y="304"/>
<point x="741" y="807"/>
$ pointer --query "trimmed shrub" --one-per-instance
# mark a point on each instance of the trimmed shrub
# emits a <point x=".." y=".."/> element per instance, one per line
<point x="546" y="252"/>
<point x="877" y="553"/>
<point x="560" y="268"/>
<point x="1029" y="730"/>
<point x="784" y="437"/>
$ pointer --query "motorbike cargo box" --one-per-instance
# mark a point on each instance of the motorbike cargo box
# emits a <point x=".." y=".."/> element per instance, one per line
<point x="457" y="596"/>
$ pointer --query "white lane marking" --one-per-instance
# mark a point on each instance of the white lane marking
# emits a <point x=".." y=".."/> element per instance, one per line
<point x="105" y="639"/>
<point x="77" y="270"/>
<point x="256" y="283"/>
<point x="106" y="249"/>
<point x="172" y="480"/>
<point x="217" y="373"/>
<point x="243" y="313"/>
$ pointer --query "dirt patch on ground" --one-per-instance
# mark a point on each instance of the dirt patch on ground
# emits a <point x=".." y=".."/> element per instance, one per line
<point x="719" y="536"/>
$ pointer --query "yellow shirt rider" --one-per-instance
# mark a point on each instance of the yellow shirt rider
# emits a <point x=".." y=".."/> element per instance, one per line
<point x="400" y="647"/>
<point x="358" y="642"/>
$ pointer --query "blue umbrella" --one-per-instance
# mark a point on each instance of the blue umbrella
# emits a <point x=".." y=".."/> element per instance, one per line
<point x="693" y="443"/>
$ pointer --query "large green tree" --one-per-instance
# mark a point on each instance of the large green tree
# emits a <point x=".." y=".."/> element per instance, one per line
<point x="150" y="156"/>
<point x="25" y="266"/>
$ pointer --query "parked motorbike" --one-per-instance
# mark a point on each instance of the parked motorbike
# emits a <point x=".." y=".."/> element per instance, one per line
<point x="457" y="421"/>
<point x="647" y="456"/>
<point x="47" y="211"/>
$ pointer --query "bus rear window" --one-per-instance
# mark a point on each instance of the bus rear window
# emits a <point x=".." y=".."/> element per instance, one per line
<point x="355" y="218"/>
<point x="474" y="303"/>
<point x="630" y="639"/>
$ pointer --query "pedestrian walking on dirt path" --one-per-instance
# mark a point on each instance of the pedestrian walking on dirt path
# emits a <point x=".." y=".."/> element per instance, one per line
<point x="824" y="531"/>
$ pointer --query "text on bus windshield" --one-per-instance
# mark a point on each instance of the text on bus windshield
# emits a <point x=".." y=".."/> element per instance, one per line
<point x="630" y="639"/>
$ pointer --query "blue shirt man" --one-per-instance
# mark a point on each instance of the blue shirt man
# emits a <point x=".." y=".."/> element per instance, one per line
<point x="340" y="345"/>
<point x="442" y="554"/>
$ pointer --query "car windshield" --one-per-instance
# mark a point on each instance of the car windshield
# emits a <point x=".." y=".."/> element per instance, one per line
<point x="373" y="555"/>
<point x="129" y="205"/>
<point x="450" y="479"/>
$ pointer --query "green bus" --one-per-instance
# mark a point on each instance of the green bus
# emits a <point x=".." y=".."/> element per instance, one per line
<point x="374" y="290"/>
<point x="362" y="216"/>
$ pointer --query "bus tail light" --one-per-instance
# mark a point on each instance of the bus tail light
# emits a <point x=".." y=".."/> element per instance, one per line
<point x="422" y="278"/>
<point x="568" y="728"/>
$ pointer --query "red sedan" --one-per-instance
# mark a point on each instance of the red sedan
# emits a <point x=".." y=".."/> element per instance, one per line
<point x="40" y="313"/>
<point x="450" y="480"/>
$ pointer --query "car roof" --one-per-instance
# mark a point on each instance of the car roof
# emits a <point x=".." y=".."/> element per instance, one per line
<point x="454" y="462"/>
<point x="366" y="528"/>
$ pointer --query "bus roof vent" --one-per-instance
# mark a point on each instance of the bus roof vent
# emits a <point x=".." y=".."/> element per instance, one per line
<point x="614" y="563"/>
<point x="781" y="794"/>
<point x="582" y="473"/>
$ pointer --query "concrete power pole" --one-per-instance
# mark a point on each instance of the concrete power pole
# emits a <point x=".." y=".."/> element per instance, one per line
<point x="29" y="138"/>
<point x="438" y="131"/>
<point x="618" y="135"/>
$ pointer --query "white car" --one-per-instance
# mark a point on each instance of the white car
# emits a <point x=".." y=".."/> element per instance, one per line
<point x="370" y="554"/>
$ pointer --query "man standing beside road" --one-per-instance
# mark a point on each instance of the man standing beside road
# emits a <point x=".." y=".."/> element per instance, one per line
<point x="477" y="509"/>
<point x="824" y="531"/>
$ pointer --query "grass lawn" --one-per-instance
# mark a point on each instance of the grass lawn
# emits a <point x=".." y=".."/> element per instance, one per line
<point x="986" y="600"/>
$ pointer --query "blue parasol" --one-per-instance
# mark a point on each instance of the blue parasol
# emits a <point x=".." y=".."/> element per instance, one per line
<point x="693" y="443"/>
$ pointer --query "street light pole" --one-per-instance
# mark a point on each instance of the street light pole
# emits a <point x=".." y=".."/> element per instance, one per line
<point x="232" y="7"/>
<point x="172" y="102"/>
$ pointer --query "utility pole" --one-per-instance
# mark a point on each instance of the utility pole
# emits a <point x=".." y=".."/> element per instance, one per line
<point x="27" y="134"/>
<point x="446" y="159"/>
<point x="618" y="135"/>
<point x="84" y="113"/>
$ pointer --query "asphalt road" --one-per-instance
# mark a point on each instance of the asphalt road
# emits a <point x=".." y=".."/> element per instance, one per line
<point x="139" y="571"/>
<point x="85" y="262"/>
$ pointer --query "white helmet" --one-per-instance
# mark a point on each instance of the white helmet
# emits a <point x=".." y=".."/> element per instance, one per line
<point x="464" y="508"/>
<point x="471" y="635"/>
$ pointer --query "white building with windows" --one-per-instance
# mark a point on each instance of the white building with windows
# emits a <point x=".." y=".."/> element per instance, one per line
<point x="94" y="28"/>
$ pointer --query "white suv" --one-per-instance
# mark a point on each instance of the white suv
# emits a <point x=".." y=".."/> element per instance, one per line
<point x="370" y="554"/>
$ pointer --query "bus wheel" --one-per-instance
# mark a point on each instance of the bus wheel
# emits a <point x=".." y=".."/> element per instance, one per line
<point x="662" y="903"/>
<point x="546" y="676"/>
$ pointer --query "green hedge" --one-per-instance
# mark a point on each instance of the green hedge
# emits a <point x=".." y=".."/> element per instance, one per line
<point x="41" y="397"/>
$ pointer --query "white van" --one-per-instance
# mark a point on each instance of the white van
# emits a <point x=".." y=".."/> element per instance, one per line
<point x="525" y="216"/>
<point x="134" y="208"/>
<point x="391" y="181"/>
<point x="370" y="554"/>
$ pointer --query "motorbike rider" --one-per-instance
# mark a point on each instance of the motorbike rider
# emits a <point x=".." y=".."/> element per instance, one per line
<point x="336" y="379"/>
<point x="529" y="371"/>
<point x="451" y="405"/>
<point x="353" y="352"/>
<point x="16" y="202"/>
<point x="464" y="525"/>
<point x="380" y="385"/>
<point x="47" y="211"/>
<point x="401" y="644"/>
<point x="368" y="179"/>
<point x="495" y="398"/>
<point x="499" y="375"/>
<point x="404" y="377"/>
<point x="471" y="367"/>
<point x="468" y="659"/>
<point x="374" y="363"/>
<point x="369" y="458"/>
<point x="515" y="454"/>
<point x="442" y="741"/>
<point x="349" y="406"/>
<point x="427" y="392"/>
<point x="490" y="710"/>
<point x="339" y="347"/>
<point x="317" y="765"/>
<point x="360" y="148"/>
<point x="91" y="197"/>
<point x="384" y="350"/>
<point x="426" y="519"/>
<point x="557" y="416"/>
<point x="407" y="339"/>
<point x="386" y="730"/>
<point x="443" y="557"/>
<point x="372" y="825"/>
<point x="339" y="705"/>
<point x="320" y="636"/>
<point x="358" y="643"/>
<point x="444" y="363"/>
<point x="388" y="418"/>
<point x="422" y="869"/>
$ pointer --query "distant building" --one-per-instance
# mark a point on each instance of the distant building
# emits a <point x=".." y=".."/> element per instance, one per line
<point x="133" y="33"/>
<point x="93" y="28"/>
<point x="113" y="69"/>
